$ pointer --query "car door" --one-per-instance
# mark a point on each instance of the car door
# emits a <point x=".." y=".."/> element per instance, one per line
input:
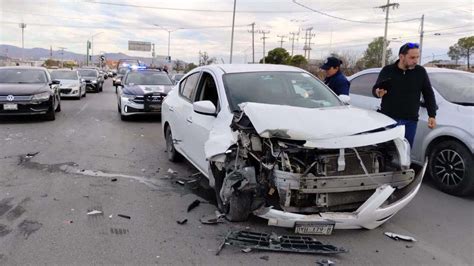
<point x="183" y="110"/>
<point x="361" y="91"/>
<point x="201" y="124"/>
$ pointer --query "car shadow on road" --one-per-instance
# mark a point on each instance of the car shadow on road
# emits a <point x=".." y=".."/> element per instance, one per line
<point x="24" y="119"/>
<point x="143" y="119"/>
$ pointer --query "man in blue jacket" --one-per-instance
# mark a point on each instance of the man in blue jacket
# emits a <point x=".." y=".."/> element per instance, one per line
<point x="334" y="77"/>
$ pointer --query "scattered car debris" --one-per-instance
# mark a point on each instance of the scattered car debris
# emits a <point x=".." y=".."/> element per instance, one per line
<point x="68" y="222"/>
<point x="114" y="180"/>
<point x="181" y="182"/>
<point x="94" y="212"/>
<point x="110" y="216"/>
<point x="213" y="219"/>
<point x="400" y="237"/>
<point x="193" y="205"/>
<point x="246" y="250"/>
<point x="171" y="171"/>
<point x="124" y="216"/>
<point x="265" y="258"/>
<point x="183" y="221"/>
<point x="325" y="262"/>
<point x="279" y="243"/>
<point x="31" y="155"/>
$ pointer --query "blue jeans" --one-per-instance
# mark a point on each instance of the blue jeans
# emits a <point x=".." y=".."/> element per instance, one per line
<point x="410" y="129"/>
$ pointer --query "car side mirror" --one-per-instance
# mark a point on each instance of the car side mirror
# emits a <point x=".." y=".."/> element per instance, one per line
<point x="55" y="82"/>
<point x="346" y="99"/>
<point x="204" y="108"/>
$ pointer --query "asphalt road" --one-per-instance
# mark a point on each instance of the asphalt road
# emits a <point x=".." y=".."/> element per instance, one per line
<point x="88" y="159"/>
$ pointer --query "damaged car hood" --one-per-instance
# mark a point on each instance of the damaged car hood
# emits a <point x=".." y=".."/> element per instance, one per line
<point x="298" y="123"/>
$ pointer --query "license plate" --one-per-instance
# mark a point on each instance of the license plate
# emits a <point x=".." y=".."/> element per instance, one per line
<point x="10" y="106"/>
<point x="312" y="228"/>
<point x="154" y="107"/>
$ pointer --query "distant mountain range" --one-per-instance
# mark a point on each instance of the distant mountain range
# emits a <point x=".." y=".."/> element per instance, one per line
<point x="41" y="53"/>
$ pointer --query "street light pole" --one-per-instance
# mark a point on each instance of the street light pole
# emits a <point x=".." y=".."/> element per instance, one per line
<point x="22" y="26"/>
<point x="169" y="37"/>
<point x="92" y="46"/>
<point x="232" y="37"/>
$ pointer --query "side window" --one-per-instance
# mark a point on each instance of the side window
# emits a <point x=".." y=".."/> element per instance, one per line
<point x="362" y="85"/>
<point x="188" y="86"/>
<point x="207" y="90"/>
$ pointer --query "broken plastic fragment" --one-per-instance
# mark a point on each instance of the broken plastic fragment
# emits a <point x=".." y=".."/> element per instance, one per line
<point x="183" y="221"/>
<point x="180" y="182"/>
<point x="124" y="216"/>
<point x="246" y="250"/>
<point x="265" y="258"/>
<point x="94" y="212"/>
<point x="171" y="171"/>
<point x="193" y="205"/>
<point x="400" y="237"/>
<point x="325" y="262"/>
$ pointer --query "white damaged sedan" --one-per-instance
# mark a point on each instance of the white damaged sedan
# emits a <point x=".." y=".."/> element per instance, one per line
<point x="275" y="141"/>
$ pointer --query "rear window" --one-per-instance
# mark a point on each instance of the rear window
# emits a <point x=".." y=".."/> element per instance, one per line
<point x="64" y="75"/>
<point x="147" y="78"/>
<point x="88" y="73"/>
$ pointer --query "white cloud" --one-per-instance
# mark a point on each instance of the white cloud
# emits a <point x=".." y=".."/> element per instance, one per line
<point x="118" y="24"/>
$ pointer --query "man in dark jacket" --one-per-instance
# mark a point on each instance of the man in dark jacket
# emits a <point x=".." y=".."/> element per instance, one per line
<point x="334" y="77"/>
<point x="400" y="86"/>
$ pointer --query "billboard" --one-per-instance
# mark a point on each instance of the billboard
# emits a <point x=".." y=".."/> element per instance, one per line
<point x="139" y="46"/>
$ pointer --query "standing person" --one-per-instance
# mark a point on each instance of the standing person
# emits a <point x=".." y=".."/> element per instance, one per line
<point x="334" y="77"/>
<point x="400" y="86"/>
<point x="165" y="68"/>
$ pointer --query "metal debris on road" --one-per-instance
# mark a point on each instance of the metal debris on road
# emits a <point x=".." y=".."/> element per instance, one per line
<point x="400" y="237"/>
<point x="279" y="243"/>
<point x="124" y="216"/>
<point x="213" y="218"/>
<point x="325" y="262"/>
<point x="94" y="212"/>
<point x="193" y="205"/>
<point x="114" y="180"/>
<point x="246" y="250"/>
<point x="31" y="155"/>
<point x="183" y="221"/>
<point x="180" y="182"/>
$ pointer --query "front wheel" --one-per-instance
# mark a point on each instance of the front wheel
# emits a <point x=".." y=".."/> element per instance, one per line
<point x="451" y="168"/>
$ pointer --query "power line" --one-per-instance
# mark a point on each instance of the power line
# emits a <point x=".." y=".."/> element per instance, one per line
<point x="192" y="9"/>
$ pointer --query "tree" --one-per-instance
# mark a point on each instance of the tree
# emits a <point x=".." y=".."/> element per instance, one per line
<point x="278" y="56"/>
<point x="50" y="63"/>
<point x="205" y="59"/>
<point x="454" y="53"/>
<point x="178" y="65"/>
<point x="298" y="61"/>
<point x="189" y="67"/>
<point x="466" y="45"/>
<point x="373" y="54"/>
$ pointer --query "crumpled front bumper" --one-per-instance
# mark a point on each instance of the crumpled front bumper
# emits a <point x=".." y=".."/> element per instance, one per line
<point x="381" y="206"/>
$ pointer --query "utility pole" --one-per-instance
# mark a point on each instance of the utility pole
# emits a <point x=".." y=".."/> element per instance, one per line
<point x="263" y="38"/>
<point x="50" y="52"/>
<point x="232" y="37"/>
<point x="421" y="36"/>
<point x="87" y="53"/>
<point x="292" y="39"/>
<point x="386" y="8"/>
<point x="281" y="40"/>
<point x="307" y="43"/>
<point x="253" y="41"/>
<point x="153" y="54"/>
<point x="62" y="55"/>
<point x="22" y="26"/>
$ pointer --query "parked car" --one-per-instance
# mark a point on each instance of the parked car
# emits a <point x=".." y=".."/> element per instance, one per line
<point x="142" y="91"/>
<point x="176" y="77"/>
<point x="274" y="141"/>
<point x="28" y="91"/>
<point x="92" y="79"/>
<point x="71" y="84"/>
<point x="449" y="147"/>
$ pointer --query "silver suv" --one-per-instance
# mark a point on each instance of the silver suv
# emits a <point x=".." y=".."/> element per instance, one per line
<point x="450" y="146"/>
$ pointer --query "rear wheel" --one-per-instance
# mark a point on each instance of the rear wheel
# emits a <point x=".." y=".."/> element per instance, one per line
<point x="173" y="154"/>
<point x="451" y="168"/>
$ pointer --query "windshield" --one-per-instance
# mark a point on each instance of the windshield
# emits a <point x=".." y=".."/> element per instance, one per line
<point x="283" y="88"/>
<point x="64" y="75"/>
<point x="88" y="73"/>
<point x="454" y="87"/>
<point x="22" y="76"/>
<point x="147" y="78"/>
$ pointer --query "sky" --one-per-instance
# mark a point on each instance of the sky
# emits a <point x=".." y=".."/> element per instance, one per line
<point x="341" y="26"/>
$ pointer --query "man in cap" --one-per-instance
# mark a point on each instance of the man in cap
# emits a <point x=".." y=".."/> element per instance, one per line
<point x="400" y="85"/>
<point x="334" y="77"/>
